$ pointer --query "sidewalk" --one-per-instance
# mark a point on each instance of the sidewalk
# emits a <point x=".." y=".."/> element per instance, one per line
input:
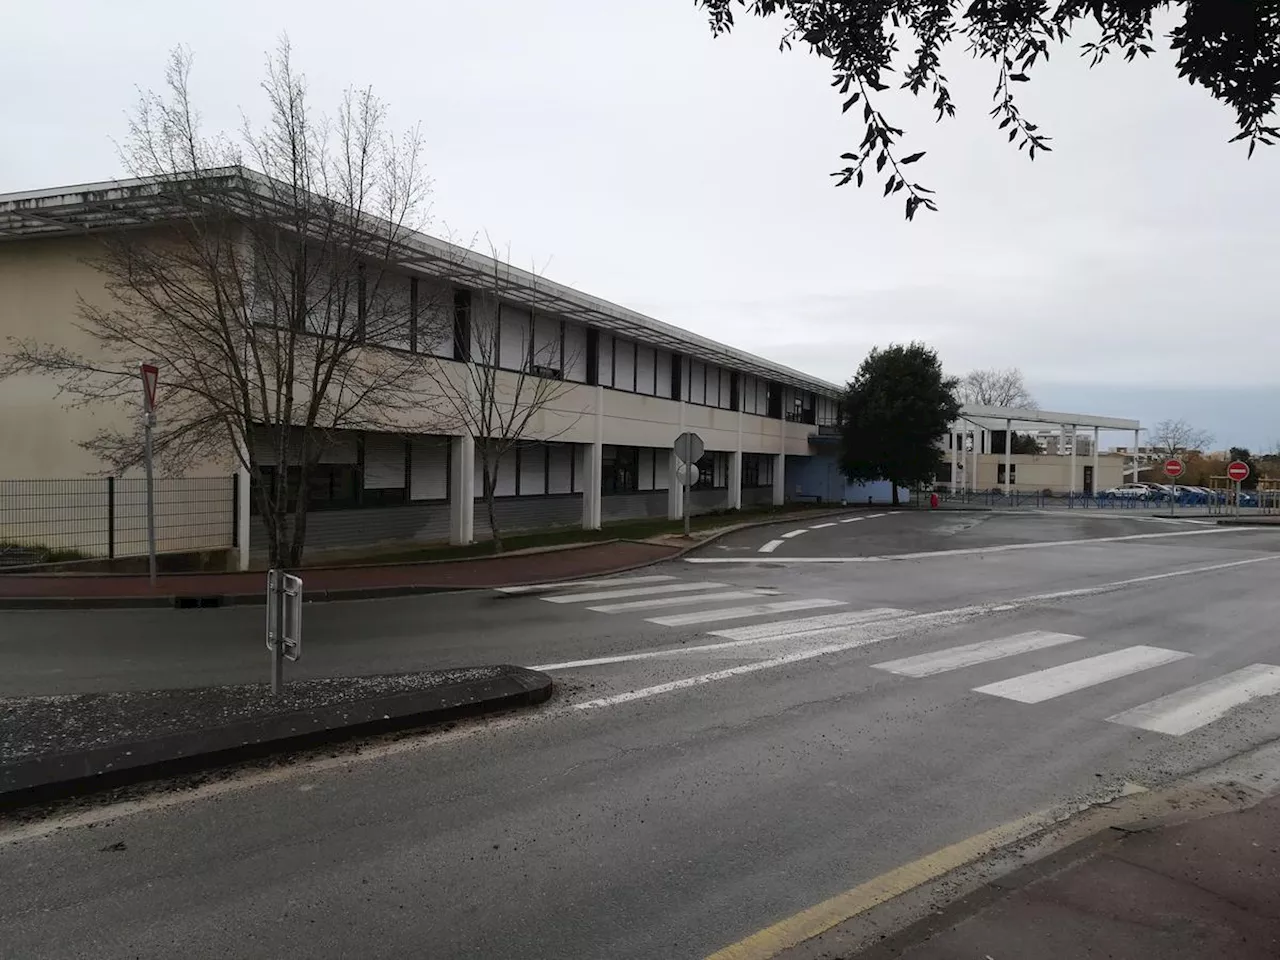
<point x="1209" y="888"/>
<point x="325" y="583"/>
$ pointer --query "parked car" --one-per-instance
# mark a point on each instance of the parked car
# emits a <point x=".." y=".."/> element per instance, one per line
<point x="1128" y="490"/>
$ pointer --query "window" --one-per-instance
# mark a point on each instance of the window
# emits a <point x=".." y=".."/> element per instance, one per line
<point x="620" y="470"/>
<point x="662" y="373"/>
<point x="1013" y="473"/>
<point x="697" y="382"/>
<point x="560" y="472"/>
<point x="575" y="352"/>
<point x="429" y="468"/>
<point x="757" y="470"/>
<point x="533" y="470"/>
<point x="546" y="347"/>
<point x="604" y="370"/>
<point x="515" y="337"/>
<point x="646" y="371"/>
<point x="330" y="486"/>
<point x="713" y="471"/>
<point x="624" y="365"/>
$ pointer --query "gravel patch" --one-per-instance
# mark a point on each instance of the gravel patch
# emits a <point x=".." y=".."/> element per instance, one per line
<point x="47" y="726"/>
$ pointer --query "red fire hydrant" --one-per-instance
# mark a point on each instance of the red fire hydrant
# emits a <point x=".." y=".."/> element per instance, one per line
<point x="933" y="500"/>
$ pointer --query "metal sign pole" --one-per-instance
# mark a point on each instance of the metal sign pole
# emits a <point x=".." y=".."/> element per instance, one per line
<point x="687" y="480"/>
<point x="275" y="630"/>
<point x="149" y="377"/>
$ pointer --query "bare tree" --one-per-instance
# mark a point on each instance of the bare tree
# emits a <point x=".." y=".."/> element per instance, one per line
<point x="263" y="295"/>
<point x="996" y="388"/>
<point x="511" y="376"/>
<point x="1173" y="437"/>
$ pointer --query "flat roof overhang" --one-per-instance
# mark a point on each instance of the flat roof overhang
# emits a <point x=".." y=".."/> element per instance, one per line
<point x="114" y="205"/>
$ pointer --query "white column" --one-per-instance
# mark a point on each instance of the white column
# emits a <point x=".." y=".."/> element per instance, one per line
<point x="1062" y="439"/>
<point x="592" y="457"/>
<point x="1096" y="461"/>
<point x="243" y="493"/>
<point x="955" y="464"/>
<point x="1008" y="455"/>
<point x="779" y="479"/>
<point x="735" y="479"/>
<point x="675" y="492"/>
<point x="1073" y="458"/>
<point x="1136" y="441"/>
<point x="462" y="489"/>
<point x="973" y="474"/>
<point x="735" y="461"/>
<point x="675" y="495"/>
<point x="591" y="461"/>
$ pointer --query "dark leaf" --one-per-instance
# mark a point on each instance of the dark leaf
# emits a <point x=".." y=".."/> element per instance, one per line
<point x="913" y="158"/>
<point x="1019" y="77"/>
<point x="851" y="101"/>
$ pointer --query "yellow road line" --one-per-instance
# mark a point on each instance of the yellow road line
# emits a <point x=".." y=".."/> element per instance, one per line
<point x="807" y="924"/>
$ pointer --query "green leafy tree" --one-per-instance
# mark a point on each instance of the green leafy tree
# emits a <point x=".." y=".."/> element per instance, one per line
<point x="897" y="409"/>
<point x="1022" y="442"/>
<point x="1231" y="48"/>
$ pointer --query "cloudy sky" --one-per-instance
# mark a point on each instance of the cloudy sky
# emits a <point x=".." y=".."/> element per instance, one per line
<point x="617" y="145"/>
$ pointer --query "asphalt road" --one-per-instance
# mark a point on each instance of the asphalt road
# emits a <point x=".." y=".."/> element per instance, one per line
<point x="692" y="788"/>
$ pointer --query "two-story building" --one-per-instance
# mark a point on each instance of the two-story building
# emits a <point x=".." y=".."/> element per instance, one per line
<point x="600" y="451"/>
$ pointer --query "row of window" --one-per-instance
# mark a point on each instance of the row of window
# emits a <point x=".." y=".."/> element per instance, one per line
<point x="383" y="469"/>
<point x="429" y="316"/>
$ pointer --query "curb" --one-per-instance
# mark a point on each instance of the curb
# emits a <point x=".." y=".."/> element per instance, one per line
<point x="387" y="592"/>
<point x="68" y="775"/>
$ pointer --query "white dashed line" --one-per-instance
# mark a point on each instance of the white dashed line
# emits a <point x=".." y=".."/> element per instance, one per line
<point x="771" y="546"/>
<point x="821" y="526"/>
<point x="794" y="533"/>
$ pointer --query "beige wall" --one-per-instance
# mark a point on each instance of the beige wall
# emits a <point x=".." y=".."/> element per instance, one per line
<point x="1047" y="472"/>
<point x="40" y="281"/>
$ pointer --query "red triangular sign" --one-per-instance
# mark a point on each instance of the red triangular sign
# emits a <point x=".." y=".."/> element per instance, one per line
<point x="150" y="376"/>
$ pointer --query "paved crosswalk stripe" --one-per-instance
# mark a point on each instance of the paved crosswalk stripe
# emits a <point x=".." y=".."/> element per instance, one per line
<point x="610" y="582"/>
<point x="683" y="599"/>
<point x="953" y="658"/>
<point x="685" y="587"/>
<point x="1184" y="711"/>
<point x="1079" y="674"/>
<point x="790" y="628"/>
<point x="771" y="546"/>
<point x="737" y="613"/>
<point x="793" y="533"/>
<point x="856" y="639"/>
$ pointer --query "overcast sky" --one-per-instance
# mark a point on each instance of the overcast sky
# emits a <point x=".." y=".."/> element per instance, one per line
<point x="1130" y="272"/>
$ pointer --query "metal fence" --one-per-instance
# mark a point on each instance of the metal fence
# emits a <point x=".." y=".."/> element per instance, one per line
<point x="45" y="521"/>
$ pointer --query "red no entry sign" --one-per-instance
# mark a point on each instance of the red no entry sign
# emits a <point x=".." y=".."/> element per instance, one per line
<point x="1238" y="470"/>
<point x="1173" y="467"/>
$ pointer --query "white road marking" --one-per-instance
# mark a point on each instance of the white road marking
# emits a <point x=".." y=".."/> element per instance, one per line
<point x="1056" y="681"/>
<point x="794" y="533"/>
<point x="790" y="628"/>
<point x="633" y="592"/>
<point x="857" y="640"/>
<point x="852" y="519"/>
<point x="1186" y="710"/>
<point x="822" y="526"/>
<point x="967" y="551"/>
<point x="611" y="582"/>
<point x="750" y="610"/>
<point x="771" y="546"/>
<point x="954" y="658"/>
<point x="682" y="599"/>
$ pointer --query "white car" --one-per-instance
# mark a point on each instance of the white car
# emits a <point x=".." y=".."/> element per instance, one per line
<point x="1128" y="490"/>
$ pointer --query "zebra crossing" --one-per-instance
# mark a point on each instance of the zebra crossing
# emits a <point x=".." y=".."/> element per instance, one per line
<point x="809" y="633"/>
